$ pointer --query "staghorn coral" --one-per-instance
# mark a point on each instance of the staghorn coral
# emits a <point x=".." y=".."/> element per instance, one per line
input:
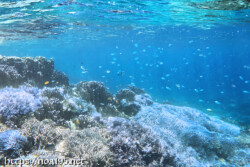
<point x="42" y="134"/>
<point x="11" y="140"/>
<point x="12" y="144"/>
<point x="18" y="102"/>
<point x="90" y="144"/>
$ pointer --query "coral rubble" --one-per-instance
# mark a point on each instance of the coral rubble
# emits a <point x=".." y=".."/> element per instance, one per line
<point x="58" y="120"/>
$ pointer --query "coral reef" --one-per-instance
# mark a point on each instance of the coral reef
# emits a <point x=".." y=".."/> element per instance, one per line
<point x="94" y="92"/>
<point x="38" y="155"/>
<point x="15" y="71"/>
<point x="135" y="145"/>
<point x="42" y="134"/>
<point x="9" y="76"/>
<point x="11" y="140"/>
<point x="126" y="94"/>
<point x="189" y="135"/>
<point x="90" y="144"/>
<point x="59" y="106"/>
<point x="129" y="93"/>
<point x="18" y="102"/>
<point x="12" y="143"/>
<point x="86" y="121"/>
<point x="130" y="100"/>
<point x="109" y="110"/>
<point x="59" y="78"/>
<point x="3" y="127"/>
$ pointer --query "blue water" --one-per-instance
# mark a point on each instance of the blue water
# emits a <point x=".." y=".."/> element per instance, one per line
<point x="179" y="53"/>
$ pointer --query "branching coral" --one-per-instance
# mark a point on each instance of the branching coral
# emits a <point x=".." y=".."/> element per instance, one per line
<point x="15" y="103"/>
<point x="12" y="144"/>
<point x="42" y="134"/>
<point x="90" y="144"/>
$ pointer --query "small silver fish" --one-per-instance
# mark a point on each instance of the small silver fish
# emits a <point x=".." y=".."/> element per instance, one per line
<point x="168" y="88"/>
<point x="241" y="78"/>
<point x="217" y="102"/>
<point x="245" y="91"/>
<point x="200" y="100"/>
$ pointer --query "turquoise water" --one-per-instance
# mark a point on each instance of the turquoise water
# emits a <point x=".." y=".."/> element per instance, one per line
<point x="190" y="53"/>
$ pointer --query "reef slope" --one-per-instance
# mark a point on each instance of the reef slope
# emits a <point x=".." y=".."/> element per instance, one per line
<point x="44" y="117"/>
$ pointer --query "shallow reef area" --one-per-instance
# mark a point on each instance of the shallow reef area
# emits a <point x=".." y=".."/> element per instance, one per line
<point x="44" y="117"/>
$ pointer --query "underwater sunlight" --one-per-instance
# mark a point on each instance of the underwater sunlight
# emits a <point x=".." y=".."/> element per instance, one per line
<point x="125" y="83"/>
